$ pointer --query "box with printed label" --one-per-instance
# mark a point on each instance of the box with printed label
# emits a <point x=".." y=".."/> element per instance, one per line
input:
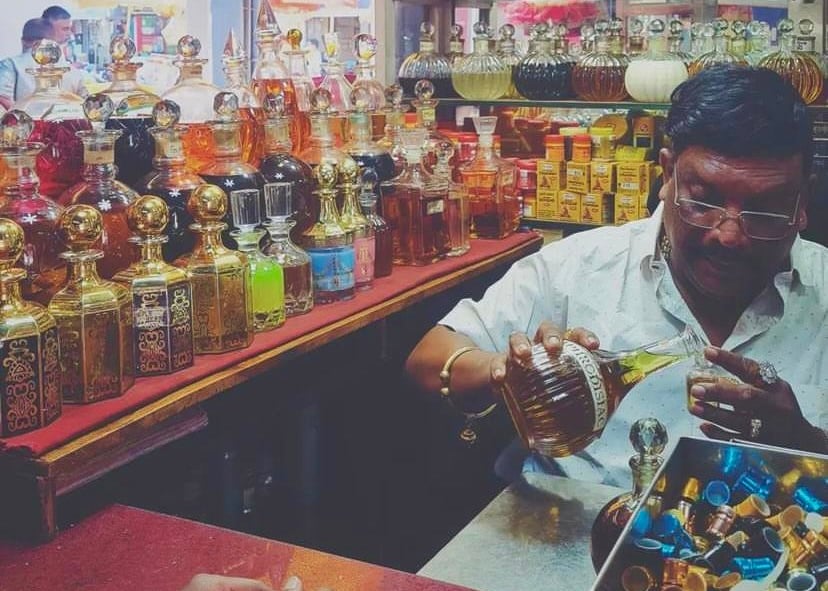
<point x="634" y="177"/>
<point x="596" y="208"/>
<point x="602" y="177"/>
<point x="577" y="176"/>
<point x="569" y="204"/>
<point x="626" y="208"/>
<point x="551" y="175"/>
<point x="546" y="205"/>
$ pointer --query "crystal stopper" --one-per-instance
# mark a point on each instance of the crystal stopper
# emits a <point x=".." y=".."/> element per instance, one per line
<point x="456" y="32"/>
<point x="326" y="175"/>
<point x="166" y="114"/>
<point x="444" y="151"/>
<point x="233" y="49"/>
<point x="426" y="31"/>
<point x="648" y="436"/>
<point x="12" y="241"/>
<point x="80" y="226"/>
<point x="365" y="46"/>
<point x="394" y="95"/>
<point x="15" y="128"/>
<point x="806" y="26"/>
<point x="321" y="100"/>
<point x="331" y="43"/>
<point x="148" y="215"/>
<point x="98" y="108"/>
<point x="656" y="27"/>
<point x="637" y="26"/>
<point x="481" y="29"/>
<point x="226" y="106"/>
<point x="676" y="28"/>
<point x="602" y="26"/>
<point x="121" y="49"/>
<point x="720" y="25"/>
<point x="507" y="31"/>
<point x="369" y="180"/>
<point x="266" y="20"/>
<point x="785" y="26"/>
<point x="207" y="203"/>
<point x="738" y="27"/>
<point x="361" y="99"/>
<point x="46" y="52"/>
<point x="294" y="38"/>
<point x="189" y="47"/>
<point x="754" y="28"/>
<point x="424" y="90"/>
<point x="616" y="25"/>
<point x="274" y="105"/>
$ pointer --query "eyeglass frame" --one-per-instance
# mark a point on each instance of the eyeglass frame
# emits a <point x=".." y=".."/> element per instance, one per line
<point x="725" y="215"/>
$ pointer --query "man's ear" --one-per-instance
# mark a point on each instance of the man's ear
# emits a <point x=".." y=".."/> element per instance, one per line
<point x="667" y="160"/>
<point x="804" y="199"/>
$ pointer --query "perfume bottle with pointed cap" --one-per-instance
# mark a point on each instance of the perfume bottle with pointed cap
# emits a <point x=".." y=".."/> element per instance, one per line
<point x="366" y="152"/>
<point x="37" y="215"/>
<point x="251" y="114"/>
<point x="383" y="238"/>
<point x="353" y="221"/>
<point x="30" y="383"/>
<point x="102" y="190"/>
<point x="133" y="113"/>
<point x="161" y="295"/>
<point x="365" y="48"/>
<point x="394" y="123"/>
<point x="298" y="68"/>
<point x="222" y="298"/>
<point x="93" y="315"/>
<point x="426" y="64"/>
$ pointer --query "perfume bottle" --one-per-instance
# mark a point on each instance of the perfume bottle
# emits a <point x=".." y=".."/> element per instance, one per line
<point x="357" y="224"/>
<point x="194" y="96"/>
<point x="481" y="75"/>
<point x="806" y="43"/>
<point x="492" y="183"/>
<point x="337" y="85"/>
<point x="426" y="64"/>
<point x="560" y="46"/>
<point x="635" y="40"/>
<point x="456" y="46"/>
<point x="222" y="298"/>
<point x="38" y="215"/>
<point x="251" y="114"/>
<point x="675" y="40"/>
<point x="366" y="153"/>
<point x="508" y="53"/>
<point x="93" y="315"/>
<point x="30" y="383"/>
<point x="649" y="438"/>
<point x="321" y="141"/>
<point x="365" y="48"/>
<point x="228" y="170"/>
<point x="298" y="68"/>
<point x="652" y="76"/>
<point x="133" y="113"/>
<point x="172" y="179"/>
<point x="101" y="190"/>
<point x="758" y="42"/>
<point x="426" y="108"/>
<point x="720" y="54"/>
<point x="543" y="75"/>
<point x="599" y="74"/>
<point x="278" y="166"/>
<point x="58" y="116"/>
<point x="295" y="262"/>
<point x="161" y="295"/>
<point x="457" y="203"/>
<point x="383" y="238"/>
<point x="738" y="38"/>
<point x="414" y="205"/>
<point x="797" y="67"/>
<point x="394" y="123"/>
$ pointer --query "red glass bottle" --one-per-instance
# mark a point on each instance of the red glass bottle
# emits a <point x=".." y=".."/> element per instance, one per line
<point x="384" y="249"/>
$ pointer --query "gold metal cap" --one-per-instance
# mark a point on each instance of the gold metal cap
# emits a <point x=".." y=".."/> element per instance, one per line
<point x="12" y="240"/>
<point x="752" y="506"/>
<point x="348" y="171"/>
<point x="80" y="226"/>
<point x="675" y="571"/>
<point x="727" y="581"/>
<point x="637" y="578"/>
<point x="148" y="215"/>
<point x="695" y="581"/>
<point x="788" y="517"/>
<point x="326" y="175"/>
<point x="294" y="38"/>
<point x="691" y="489"/>
<point x="207" y="203"/>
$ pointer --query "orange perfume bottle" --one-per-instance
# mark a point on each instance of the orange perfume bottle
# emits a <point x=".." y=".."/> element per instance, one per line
<point x="250" y="108"/>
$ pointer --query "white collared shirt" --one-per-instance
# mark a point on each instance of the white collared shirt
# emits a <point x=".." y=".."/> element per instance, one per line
<point x="17" y="84"/>
<point x="610" y="281"/>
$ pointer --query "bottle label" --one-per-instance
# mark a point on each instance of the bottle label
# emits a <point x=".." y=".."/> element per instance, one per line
<point x="428" y="115"/>
<point x="365" y="249"/>
<point x="98" y="156"/>
<point x="594" y="381"/>
<point x="333" y="268"/>
<point x="435" y="207"/>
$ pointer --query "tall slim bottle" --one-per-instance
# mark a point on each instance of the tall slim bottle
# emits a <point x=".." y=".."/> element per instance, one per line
<point x="383" y="237"/>
<point x="161" y="295"/>
<point x="298" y="68"/>
<point x="457" y="202"/>
<point x="365" y="48"/>
<point x="93" y="315"/>
<point x="363" y="232"/>
<point x="250" y="108"/>
<point x="366" y="152"/>
<point x="394" y="124"/>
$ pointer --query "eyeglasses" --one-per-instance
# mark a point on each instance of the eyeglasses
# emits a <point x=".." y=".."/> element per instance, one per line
<point x="757" y="225"/>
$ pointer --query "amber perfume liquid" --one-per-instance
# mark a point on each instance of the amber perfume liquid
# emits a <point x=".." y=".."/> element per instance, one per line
<point x="384" y="253"/>
<point x="604" y="83"/>
<point x="60" y="164"/>
<point x="134" y="149"/>
<point x="251" y="131"/>
<point x="420" y="235"/>
<point x="300" y="125"/>
<point x="199" y="148"/>
<point x="298" y="294"/>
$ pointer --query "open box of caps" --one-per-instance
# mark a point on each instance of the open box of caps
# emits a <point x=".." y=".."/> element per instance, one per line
<point x="726" y="516"/>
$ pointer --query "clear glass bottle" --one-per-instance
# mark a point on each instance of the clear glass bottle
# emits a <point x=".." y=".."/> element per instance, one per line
<point x="806" y="43"/>
<point x="481" y="75"/>
<point x="457" y="203"/>
<point x="560" y="45"/>
<point x="599" y="74"/>
<point x="426" y="64"/>
<point x="758" y="41"/>
<point x="172" y="180"/>
<point x="101" y="190"/>
<point x="508" y="53"/>
<point x="334" y="79"/>
<point x="222" y="298"/>
<point x="30" y="383"/>
<point x="161" y="295"/>
<point x="93" y="316"/>
<point x="720" y="54"/>
<point x="298" y="69"/>
<point x="365" y="48"/>
<point x="251" y="113"/>
<point x="353" y="221"/>
<point x="133" y="113"/>
<point x="797" y="67"/>
<point x="543" y="75"/>
<point x="58" y="116"/>
<point x="738" y="38"/>
<point x="366" y="153"/>
<point x="37" y="215"/>
<point x="652" y="76"/>
<point x="383" y="238"/>
<point x="559" y="406"/>
<point x="456" y="46"/>
<point x="295" y="262"/>
<point x="494" y="206"/>
<point x="267" y="281"/>
<point x="394" y="123"/>
<point x="649" y="438"/>
<point x="675" y="41"/>
<point x="329" y="244"/>
<point x="635" y="40"/>
<point x="701" y="39"/>
<point x="414" y="205"/>
<point x="194" y="96"/>
<point x="426" y="108"/>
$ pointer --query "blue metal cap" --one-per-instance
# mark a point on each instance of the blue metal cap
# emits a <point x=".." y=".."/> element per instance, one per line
<point x="716" y="493"/>
<point x="666" y="526"/>
<point x="806" y="498"/>
<point x="732" y="462"/>
<point x="753" y="481"/>
<point x="753" y="568"/>
<point x="641" y="524"/>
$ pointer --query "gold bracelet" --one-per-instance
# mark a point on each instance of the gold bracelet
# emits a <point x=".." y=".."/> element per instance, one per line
<point x="468" y="433"/>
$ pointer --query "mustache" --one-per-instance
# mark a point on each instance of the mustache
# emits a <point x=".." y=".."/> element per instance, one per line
<point x="725" y="256"/>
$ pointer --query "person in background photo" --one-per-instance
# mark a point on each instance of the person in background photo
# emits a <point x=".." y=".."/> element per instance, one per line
<point x="60" y="24"/>
<point x="15" y="83"/>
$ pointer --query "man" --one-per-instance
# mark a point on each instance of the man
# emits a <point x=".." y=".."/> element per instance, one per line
<point x="721" y="254"/>
<point x="60" y="22"/>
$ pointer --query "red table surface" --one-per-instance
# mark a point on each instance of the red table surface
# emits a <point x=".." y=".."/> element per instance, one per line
<point x="80" y="419"/>
<point x="123" y="548"/>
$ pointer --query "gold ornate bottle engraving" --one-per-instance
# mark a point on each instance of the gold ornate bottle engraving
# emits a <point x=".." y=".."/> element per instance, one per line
<point x="152" y="351"/>
<point x="103" y="363"/>
<point x="234" y="314"/>
<point x="50" y="356"/>
<point x="21" y="402"/>
<point x="181" y="327"/>
<point x="71" y="358"/>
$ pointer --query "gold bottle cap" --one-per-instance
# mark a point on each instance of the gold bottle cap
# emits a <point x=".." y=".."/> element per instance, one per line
<point x="348" y="172"/>
<point x="691" y="489"/>
<point x="121" y="49"/>
<point x="637" y="578"/>
<point x="695" y="581"/>
<point x="752" y="506"/>
<point x="80" y="227"/>
<point x="326" y="175"/>
<point x="737" y="539"/>
<point x="727" y="581"/>
<point x="294" y="38"/>
<point x="788" y="517"/>
<point x="207" y="203"/>
<point x="12" y="241"/>
<point x="148" y="215"/>
<point x="46" y="53"/>
<point x="675" y="571"/>
<point x="722" y="521"/>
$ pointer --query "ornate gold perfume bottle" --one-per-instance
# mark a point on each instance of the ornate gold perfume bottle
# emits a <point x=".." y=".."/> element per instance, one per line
<point x="30" y="375"/>
<point x="222" y="298"/>
<point x="162" y="302"/>
<point x="93" y="315"/>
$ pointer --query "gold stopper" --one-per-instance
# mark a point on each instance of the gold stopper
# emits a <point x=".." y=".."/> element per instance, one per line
<point x="207" y="203"/>
<point x="691" y="489"/>
<point x="148" y="215"/>
<point x="727" y="581"/>
<point x="752" y="506"/>
<point x="637" y="578"/>
<point x="121" y="49"/>
<point x="294" y="38"/>
<point x="326" y="175"/>
<point x="12" y="241"/>
<point x="675" y="571"/>
<point x="348" y="172"/>
<point x="80" y="226"/>
<point x="46" y="52"/>
<point x="695" y="581"/>
<point x="737" y="539"/>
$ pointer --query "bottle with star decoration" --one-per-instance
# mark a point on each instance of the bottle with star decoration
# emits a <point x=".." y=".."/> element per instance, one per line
<point x="172" y="180"/>
<point x="38" y="215"/>
<point x="101" y="190"/>
<point x="251" y="113"/>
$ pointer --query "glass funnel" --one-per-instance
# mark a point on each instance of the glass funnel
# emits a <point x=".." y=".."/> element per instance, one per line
<point x="481" y="75"/>
<point x="426" y="64"/>
<point x="251" y="114"/>
<point x="652" y="76"/>
<point x="599" y="75"/>
<point x="542" y="75"/>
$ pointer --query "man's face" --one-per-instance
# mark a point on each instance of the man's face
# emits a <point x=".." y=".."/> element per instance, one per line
<point x="724" y="264"/>
<point x="62" y="30"/>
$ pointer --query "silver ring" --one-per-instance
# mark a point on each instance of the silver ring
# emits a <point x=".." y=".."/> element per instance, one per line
<point x="768" y="374"/>
<point x="755" y="428"/>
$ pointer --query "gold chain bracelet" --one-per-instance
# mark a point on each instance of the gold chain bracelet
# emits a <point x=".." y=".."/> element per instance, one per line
<point x="468" y="434"/>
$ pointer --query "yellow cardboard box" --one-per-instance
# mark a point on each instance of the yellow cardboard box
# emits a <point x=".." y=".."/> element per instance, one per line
<point x="546" y="205"/>
<point x="569" y="206"/>
<point x="634" y="178"/>
<point x="626" y="208"/>
<point x="596" y="208"/>
<point x="577" y="176"/>
<point x="551" y="175"/>
<point x="602" y="177"/>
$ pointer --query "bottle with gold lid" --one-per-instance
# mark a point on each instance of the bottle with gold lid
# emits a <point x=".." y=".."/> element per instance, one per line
<point x="426" y="64"/>
<point x="298" y="68"/>
<point x="222" y="298"/>
<point x="720" y="54"/>
<point x="93" y="315"/>
<point x="251" y="114"/>
<point x="599" y="74"/>
<point x="353" y="221"/>
<point x="797" y="67"/>
<point x="481" y="75"/>
<point x="30" y="383"/>
<point x="161" y="295"/>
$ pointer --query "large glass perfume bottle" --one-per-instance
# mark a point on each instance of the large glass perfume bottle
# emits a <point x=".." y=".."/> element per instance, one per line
<point x="758" y="42"/>
<point x="321" y="141"/>
<point x="365" y="48"/>
<point x="172" y="179"/>
<point x="222" y="298"/>
<point x="334" y="79"/>
<point x="508" y="53"/>
<point x="457" y="203"/>
<point x="366" y="153"/>
<point x="426" y="108"/>
<point x="30" y="383"/>
<point x="649" y="438"/>
<point x="797" y="67"/>
<point x="133" y="113"/>
<point x="161" y="295"/>
<point x="492" y="184"/>
<point x="394" y="123"/>
<point x="298" y="68"/>
<point x="295" y="262"/>
<point x="101" y="190"/>
<point x="251" y="114"/>
<point x="675" y="40"/>
<point x="543" y="75"/>
<point x="58" y="116"/>
<point x="720" y="54"/>
<point x="93" y="315"/>
<point x="652" y="76"/>
<point x="329" y="244"/>
<point x="194" y="96"/>
<point x="38" y="215"/>
<point x="426" y="64"/>
<point x="383" y="238"/>
<point x="599" y="74"/>
<point x="481" y="75"/>
<point x="414" y="205"/>
<point x="357" y="224"/>
<point x="560" y="405"/>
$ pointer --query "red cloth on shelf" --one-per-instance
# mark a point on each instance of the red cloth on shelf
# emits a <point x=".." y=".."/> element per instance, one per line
<point x="80" y="419"/>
